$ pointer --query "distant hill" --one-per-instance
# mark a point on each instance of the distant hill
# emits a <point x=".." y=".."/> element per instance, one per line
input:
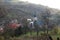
<point x="25" y="9"/>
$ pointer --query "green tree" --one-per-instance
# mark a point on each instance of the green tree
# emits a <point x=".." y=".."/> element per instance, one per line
<point x="25" y="25"/>
<point x="55" y="30"/>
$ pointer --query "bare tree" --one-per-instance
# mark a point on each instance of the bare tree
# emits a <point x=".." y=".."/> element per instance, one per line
<point x="45" y="18"/>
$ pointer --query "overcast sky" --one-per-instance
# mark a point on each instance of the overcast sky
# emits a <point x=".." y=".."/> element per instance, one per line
<point x="49" y="3"/>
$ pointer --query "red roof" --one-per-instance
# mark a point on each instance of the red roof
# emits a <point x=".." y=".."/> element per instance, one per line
<point x="14" y="25"/>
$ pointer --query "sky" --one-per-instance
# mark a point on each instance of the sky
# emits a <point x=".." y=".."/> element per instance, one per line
<point x="50" y="3"/>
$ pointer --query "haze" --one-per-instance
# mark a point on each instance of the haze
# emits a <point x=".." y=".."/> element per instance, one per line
<point x="50" y="3"/>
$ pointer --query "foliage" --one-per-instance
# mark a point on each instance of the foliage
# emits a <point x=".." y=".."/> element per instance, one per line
<point x="25" y="25"/>
<point x="55" y="30"/>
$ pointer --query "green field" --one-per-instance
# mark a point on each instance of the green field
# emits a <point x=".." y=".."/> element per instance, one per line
<point x="32" y="36"/>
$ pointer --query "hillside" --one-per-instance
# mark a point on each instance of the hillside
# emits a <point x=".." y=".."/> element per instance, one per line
<point x="25" y="9"/>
